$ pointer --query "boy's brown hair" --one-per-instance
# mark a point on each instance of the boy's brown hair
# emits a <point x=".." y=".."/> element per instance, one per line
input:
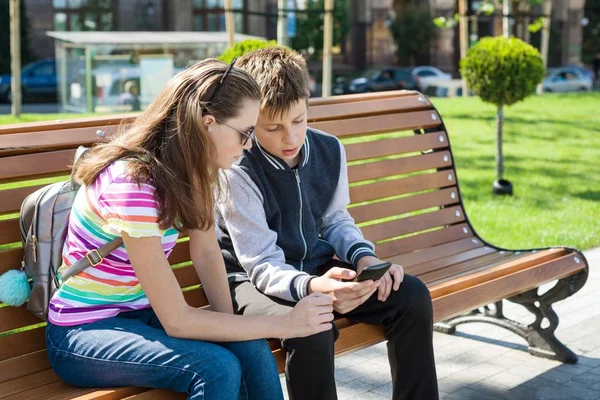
<point x="282" y="76"/>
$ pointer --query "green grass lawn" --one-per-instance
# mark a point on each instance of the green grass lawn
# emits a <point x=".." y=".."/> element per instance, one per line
<point x="552" y="157"/>
<point x="9" y="119"/>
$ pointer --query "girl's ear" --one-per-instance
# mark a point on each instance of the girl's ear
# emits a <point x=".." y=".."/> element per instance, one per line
<point x="208" y="120"/>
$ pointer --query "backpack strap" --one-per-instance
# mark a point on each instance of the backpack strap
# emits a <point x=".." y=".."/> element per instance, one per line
<point x="92" y="258"/>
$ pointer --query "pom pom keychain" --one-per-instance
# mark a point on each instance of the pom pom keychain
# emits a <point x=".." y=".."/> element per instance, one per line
<point x="14" y="287"/>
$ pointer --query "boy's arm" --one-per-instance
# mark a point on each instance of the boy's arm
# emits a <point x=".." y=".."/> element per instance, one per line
<point x="255" y="244"/>
<point x="338" y="227"/>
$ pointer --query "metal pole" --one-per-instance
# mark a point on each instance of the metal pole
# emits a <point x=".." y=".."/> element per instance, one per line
<point x="15" y="56"/>
<point x="547" y="11"/>
<point x="282" y="38"/>
<point x="506" y="12"/>
<point x="327" y="44"/>
<point x="463" y="30"/>
<point x="88" y="80"/>
<point x="229" y="23"/>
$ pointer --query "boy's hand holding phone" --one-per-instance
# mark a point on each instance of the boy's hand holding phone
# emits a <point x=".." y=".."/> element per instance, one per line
<point x="391" y="280"/>
<point x="346" y="295"/>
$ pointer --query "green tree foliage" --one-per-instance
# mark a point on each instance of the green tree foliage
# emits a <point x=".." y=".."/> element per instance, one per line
<point x="309" y="32"/>
<point x="26" y="54"/>
<point x="241" y="48"/>
<point x="413" y="31"/>
<point x="502" y="71"/>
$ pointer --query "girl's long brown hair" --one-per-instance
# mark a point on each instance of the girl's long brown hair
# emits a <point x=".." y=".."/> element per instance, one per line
<point x="169" y="144"/>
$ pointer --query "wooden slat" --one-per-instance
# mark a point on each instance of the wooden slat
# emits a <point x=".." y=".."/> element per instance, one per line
<point x="25" y="383"/>
<point x="156" y="394"/>
<point x="352" y="98"/>
<point x="416" y="223"/>
<point x="411" y="184"/>
<point x="48" y="392"/>
<point x="358" y="336"/>
<point x="460" y="283"/>
<point x="10" y="259"/>
<point x="24" y="365"/>
<point x="436" y="252"/>
<point x="422" y="240"/>
<point x="36" y="142"/>
<point x="441" y="265"/>
<point x="62" y="391"/>
<point x="109" y="394"/>
<point x="96" y="121"/>
<point x="22" y="343"/>
<point x="186" y="276"/>
<point x="11" y="199"/>
<point x="196" y="297"/>
<point x="16" y="317"/>
<point x="457" y="269"/>
<point x="36" y="165"/>
<point x="379" y="124"/>
<point x="402" y="145"/>
<point x="336" y="111"/>
<point x="9" y="231"/>
<point x="370" y="212"/>
<point x="493" y="289"/>
<point x="404" y="165"/>
<point x="180" y="253"/>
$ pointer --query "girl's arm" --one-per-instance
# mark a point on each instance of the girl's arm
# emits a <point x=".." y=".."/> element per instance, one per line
<point x="310" y="316"/>
<point x="208" y="262"/>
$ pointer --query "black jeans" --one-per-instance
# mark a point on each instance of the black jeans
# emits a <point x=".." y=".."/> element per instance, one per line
<point x="407" y="316"/>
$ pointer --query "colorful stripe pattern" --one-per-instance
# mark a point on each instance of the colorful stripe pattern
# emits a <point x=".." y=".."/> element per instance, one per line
<point x="112" y="204"/>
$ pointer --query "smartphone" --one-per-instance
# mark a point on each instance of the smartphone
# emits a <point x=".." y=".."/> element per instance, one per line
<point x="373" y="272"/>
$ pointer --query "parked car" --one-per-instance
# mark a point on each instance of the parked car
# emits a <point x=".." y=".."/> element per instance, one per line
<point x="568" y="79"/>
<point x="38" y="81"/>
<point x="377" y="80"/>
<point x="445" y="88"/>
<point x="428" y="75"/>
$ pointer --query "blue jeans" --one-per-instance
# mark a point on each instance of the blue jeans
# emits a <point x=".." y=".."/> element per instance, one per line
<point x="132" y="349"/>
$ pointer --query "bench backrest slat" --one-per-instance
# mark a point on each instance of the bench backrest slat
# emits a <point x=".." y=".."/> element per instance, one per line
<point x="353" y="127"/>
<point x="11" y="199"/>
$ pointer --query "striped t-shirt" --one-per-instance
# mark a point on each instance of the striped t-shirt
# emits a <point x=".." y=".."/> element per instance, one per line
<point x="101" y="211"/>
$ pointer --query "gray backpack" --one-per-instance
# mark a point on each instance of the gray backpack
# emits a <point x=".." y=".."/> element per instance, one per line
<point x="44" y="220"/>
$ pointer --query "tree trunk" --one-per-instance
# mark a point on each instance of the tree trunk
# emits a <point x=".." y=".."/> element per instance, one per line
<point x="463" y="32"/>
<point x="499" y="156"/>
<point x="15" y="56"/>
<point x="546" y="11"/>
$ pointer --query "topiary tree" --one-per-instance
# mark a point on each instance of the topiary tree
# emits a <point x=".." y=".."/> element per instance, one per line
<point x="502" y="71"/>
<point x="241" y="48"/>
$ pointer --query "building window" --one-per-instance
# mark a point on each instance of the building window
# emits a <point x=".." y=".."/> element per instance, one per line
<point x="84" y="15"/>
<point x="209" y="15"/>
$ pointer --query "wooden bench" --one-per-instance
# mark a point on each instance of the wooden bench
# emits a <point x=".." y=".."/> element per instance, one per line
<point x="404" y="190"/>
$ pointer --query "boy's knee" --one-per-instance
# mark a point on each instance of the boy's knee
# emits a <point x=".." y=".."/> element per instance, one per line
<point x="420" y="297"/>
<point x="414" y="297"/>
<point x="319" y="342"/>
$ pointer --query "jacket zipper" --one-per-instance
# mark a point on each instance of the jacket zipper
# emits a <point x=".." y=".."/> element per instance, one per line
<point x="301" y="230"/>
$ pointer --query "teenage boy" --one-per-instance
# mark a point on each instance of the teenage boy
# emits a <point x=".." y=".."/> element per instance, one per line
<point x="283" y="221"/>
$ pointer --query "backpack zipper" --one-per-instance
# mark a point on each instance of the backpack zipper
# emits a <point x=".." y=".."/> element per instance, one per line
<point x="34" y="246"/>
<point x="301" y="231"/>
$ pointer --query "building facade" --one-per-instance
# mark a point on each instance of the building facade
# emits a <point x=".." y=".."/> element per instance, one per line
<point x="251" y="17"/>
<point x="372" y="18"/>
<point x="369" y="42"/>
